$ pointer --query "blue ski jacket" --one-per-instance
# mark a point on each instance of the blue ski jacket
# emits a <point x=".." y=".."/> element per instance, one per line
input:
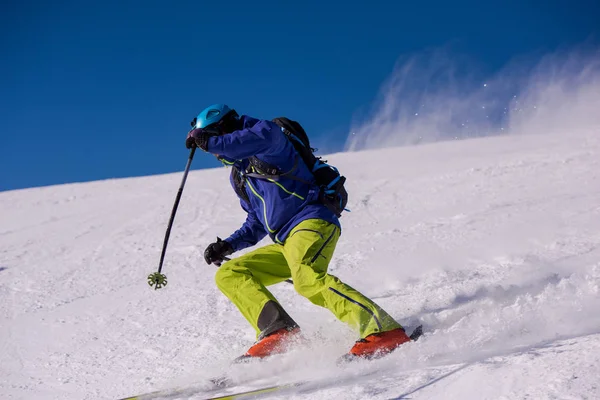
<point x="275" y="207"/>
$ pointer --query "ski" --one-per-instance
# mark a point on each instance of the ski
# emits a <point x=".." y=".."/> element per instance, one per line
<point x="175" y="393"/>
<point x="219" y="384"/>
<point x="417" y="333"/>
<point x="164" y="394"/>
<point x="259" y="392"/>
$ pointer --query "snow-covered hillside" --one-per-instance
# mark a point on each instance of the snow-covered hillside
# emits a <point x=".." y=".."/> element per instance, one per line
<point x="493" y="244"/>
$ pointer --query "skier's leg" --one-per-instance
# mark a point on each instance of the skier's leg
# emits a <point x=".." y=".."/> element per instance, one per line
<point x="244" y="279"/>
<point x="308" y="250"/>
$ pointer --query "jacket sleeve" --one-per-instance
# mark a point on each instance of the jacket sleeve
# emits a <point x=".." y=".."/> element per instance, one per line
<point x="258" y="139"/>
<point x="251" y="232"/>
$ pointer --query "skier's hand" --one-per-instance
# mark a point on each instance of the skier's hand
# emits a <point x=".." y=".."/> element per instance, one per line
<point x="197" y="138"/>
<point x="215" y="252"/>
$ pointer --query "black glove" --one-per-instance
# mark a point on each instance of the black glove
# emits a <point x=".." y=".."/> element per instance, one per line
<point x="215" y="252"/>
<point x="197" y="137"/>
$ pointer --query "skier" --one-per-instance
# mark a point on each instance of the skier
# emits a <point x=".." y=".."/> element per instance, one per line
<point x="304" y="232"/>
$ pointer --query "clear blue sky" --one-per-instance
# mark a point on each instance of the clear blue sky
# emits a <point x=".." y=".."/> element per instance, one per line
<point x="95" y="90"/>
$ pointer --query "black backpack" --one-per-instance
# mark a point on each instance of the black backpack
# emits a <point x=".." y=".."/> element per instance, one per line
<point x="332" y="192"/>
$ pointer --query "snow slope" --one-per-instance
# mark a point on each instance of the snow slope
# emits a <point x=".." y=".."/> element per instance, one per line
<point x="493" y="244"/>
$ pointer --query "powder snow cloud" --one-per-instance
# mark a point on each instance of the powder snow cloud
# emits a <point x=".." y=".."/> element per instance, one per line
<point x="439" y="95"/>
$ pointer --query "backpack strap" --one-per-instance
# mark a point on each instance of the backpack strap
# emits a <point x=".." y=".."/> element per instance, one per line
<point x="272" y="173"/>
<point x="239" y="183"/>
<point x="263" y="167"/>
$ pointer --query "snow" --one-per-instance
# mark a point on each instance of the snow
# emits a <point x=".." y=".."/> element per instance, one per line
<point x="493" y="244"/>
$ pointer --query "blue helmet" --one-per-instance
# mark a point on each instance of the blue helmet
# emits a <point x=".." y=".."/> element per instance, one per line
<point x="213" y="115"/>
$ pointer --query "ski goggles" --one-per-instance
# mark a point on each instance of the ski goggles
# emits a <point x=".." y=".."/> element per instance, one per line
<point x="214" y="129"/>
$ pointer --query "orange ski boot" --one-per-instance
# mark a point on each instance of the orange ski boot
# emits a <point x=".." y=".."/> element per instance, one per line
<point x="378" y="344"/>
<point x="274" y="343"/>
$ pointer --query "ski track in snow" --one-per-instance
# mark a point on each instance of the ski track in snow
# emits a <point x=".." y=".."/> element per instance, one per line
<point x="493" y="244"/>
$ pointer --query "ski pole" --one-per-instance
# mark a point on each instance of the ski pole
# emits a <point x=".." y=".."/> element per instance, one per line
<point x="287" y="280"/>
<point x="157" y="279"/>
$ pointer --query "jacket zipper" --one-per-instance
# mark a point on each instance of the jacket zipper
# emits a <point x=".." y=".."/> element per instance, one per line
<point x="264" y="205"/>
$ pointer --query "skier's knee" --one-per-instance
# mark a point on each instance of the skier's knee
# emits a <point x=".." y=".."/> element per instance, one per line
<point x="306" y="289"/>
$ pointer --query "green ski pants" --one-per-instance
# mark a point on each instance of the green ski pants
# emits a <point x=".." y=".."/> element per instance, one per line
<point x="304" y="257"/>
